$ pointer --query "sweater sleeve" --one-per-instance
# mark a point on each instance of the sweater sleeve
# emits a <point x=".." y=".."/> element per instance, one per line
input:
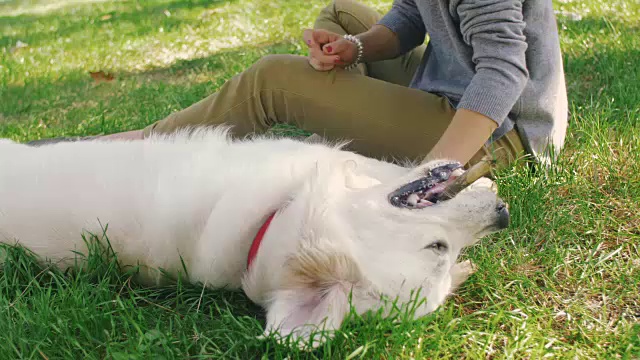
<point x="495" y="31"/>
<point x="405" y="21"/>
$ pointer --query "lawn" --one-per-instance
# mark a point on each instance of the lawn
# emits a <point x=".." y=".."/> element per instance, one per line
<point x="562" y="282"/>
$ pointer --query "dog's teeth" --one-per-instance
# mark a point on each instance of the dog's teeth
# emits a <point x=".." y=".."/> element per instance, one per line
<point x="457" y="172"/>
<point x="413" y="199"/>
<point x="424" y="203"/>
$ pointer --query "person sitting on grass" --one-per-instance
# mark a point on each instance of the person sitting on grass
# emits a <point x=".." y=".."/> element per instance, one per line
<point x="490" y="82"/>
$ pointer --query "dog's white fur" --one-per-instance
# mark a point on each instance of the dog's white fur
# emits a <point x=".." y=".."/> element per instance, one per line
<point x="200" y="198"/>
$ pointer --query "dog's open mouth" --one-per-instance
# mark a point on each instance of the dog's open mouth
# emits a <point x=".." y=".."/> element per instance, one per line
<point x="427" y="190"/>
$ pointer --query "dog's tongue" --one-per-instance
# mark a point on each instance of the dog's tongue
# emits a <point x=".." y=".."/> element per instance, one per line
<point x="436" y="189"/>
<point x="434" y="192"/>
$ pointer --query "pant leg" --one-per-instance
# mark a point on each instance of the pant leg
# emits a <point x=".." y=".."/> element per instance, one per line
<point x="502" y="152"/>
<point x="352" y="17"/>
<point x="382" y="119"/>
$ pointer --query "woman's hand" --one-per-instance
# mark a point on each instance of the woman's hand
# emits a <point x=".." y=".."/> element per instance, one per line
<point x="328" y="50"/>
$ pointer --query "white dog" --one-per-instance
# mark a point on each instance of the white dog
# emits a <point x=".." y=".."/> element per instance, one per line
<point x="348" y="230"/>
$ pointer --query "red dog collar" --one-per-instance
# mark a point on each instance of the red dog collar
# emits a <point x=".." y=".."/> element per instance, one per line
<point x="255" y="245"/>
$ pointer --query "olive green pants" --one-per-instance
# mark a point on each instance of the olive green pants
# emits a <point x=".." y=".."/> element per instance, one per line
<point x="371" y="106"/>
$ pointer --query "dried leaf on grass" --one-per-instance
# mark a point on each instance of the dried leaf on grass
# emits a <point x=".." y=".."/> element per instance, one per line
<point x="101" y="76"/>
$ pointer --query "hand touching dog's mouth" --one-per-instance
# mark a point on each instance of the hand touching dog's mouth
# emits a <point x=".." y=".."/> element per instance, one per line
<point x="426" y="191"/>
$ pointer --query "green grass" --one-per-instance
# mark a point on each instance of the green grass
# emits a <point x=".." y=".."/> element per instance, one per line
<point x="562" y="282"/>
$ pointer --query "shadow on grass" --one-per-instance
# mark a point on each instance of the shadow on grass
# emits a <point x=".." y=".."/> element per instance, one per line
<point x="143" y="17"/>
<point x="76" y="104"/>
<point x="601" y="66"/>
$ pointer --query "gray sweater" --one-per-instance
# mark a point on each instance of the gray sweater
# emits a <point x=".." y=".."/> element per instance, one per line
<point x="500" y="58"/>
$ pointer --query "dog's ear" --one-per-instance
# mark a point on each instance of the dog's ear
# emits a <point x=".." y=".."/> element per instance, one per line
<point x="314" y="298"/>
<point x="307" y="315"/>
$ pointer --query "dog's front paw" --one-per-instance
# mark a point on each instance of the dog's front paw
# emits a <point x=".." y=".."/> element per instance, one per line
<point x="460" y="272"/>
<point x="484" y="183"/>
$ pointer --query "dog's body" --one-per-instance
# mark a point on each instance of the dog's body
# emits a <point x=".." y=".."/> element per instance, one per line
<point x="198" y="200"/>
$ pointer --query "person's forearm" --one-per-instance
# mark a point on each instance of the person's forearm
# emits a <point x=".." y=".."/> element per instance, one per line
<point x="379" y="43"/>
<point x="466" y="134"/>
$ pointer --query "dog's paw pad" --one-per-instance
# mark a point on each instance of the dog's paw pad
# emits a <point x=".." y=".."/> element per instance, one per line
<point x="467" y="267"/>
<point x="460" y="272"/>
<point x="484" y="183"/>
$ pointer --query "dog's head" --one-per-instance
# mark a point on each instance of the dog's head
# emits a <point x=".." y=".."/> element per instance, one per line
<point x="371" y="244"/>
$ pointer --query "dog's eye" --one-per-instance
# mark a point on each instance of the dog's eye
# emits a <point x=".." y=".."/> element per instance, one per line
<point x="439" y="246"/>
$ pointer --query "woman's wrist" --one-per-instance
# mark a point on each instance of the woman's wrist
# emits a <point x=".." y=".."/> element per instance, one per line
<point x="379" y="43"/>
<point x="466" y="134"/>
<point x="359" y="49"/>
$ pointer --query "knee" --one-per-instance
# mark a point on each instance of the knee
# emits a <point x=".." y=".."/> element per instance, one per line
<point x="351" y="16"/>
<point x="272" y="70"/>
<point x="271" y="63"/>
<point x="348" y="6"/>
<point x="336" y="7"/>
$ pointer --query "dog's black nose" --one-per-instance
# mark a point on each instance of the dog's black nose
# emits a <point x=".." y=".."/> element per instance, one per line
<point x="503" y="214"/>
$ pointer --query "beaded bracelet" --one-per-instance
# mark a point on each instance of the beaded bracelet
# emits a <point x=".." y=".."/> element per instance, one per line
<point x="358" y="43"/>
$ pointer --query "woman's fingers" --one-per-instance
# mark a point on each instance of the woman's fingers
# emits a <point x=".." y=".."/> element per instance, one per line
<point x="319" y="60"/>
<point x="320" y="56"/>
<point x="320" y="66"/>
<point x="307" y="35"/>
<point x="316" y="38"/>
<point x="344" y="49"/>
